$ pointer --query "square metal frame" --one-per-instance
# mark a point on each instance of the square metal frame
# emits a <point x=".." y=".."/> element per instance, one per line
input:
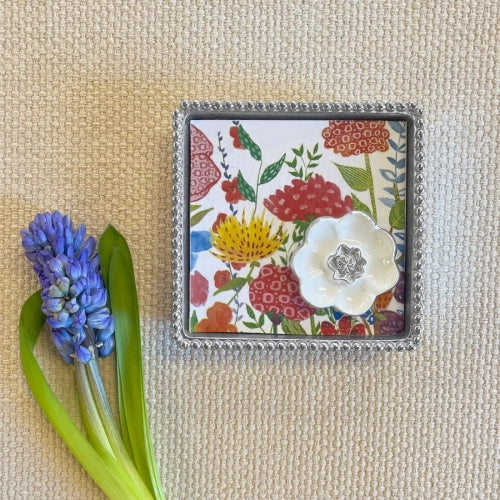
<point x="190" y="110"/>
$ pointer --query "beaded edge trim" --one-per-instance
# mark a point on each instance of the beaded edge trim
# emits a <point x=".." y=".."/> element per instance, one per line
<point x="416" y="209"/>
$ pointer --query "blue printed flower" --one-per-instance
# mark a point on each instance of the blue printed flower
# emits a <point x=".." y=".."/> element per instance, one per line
<point x="200" y="241"/>
<point x="73" y="293"/>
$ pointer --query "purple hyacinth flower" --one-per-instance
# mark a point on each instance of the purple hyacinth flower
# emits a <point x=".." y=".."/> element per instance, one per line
<point x="73" y="294"/>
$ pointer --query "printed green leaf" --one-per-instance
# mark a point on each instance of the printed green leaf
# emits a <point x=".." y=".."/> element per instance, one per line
<point x="272" y="171"/>
<point x="231" y="285"/>
<point x="397" y="215"/>
<point x="193" y="208"/>
<point x="250" y="324"/>
<point x="198" y="216"/>
<point x="193" y="321"/>
<point x="245" y="189"/>
<point x="250" y="312"/>
<point x="357" y="204"/>
<point x="261" y="321"/>
<point x="247" y="143"/>
<point x="356" y="178"/>
<point x="292" y="327"/>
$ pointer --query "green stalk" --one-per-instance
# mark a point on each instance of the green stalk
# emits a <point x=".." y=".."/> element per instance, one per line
<point x="90" y="415"/>
<point x="371" y="188"/>
<point x="113" y="434"/>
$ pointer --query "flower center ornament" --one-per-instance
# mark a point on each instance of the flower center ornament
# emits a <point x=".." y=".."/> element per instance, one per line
<point x="347" y="263"/>
<point x="362" y="267"/>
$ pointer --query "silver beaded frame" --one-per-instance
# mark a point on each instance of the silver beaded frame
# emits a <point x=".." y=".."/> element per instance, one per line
<point x="409" y="112"/>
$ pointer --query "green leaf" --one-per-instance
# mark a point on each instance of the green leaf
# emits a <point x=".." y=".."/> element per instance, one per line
<point x="198" y="216"/>
<point x="193" y="208"/>
<point x="250" y="312"/>
<point x="296" y="152"/>
<point x="104" y="470"/>
<point x="118" y="272"/>
<point x="293" y="163"/>
<point x="272" y="171"/>
<point x="249" y="324"/>
<point x="380" y="316"/>
<point x="261" y="321"/>
<point x="357" y="204"/>
<point x="356" y="178"/>
<point x="231" y="285"/>
<point x="193" y="321"/>
<point x="397" y="215"/>
<point x="246" y="190"/>
<point x="315" y="150"/>
<point x="292" y="327"/>
<point x="247" y="143"/>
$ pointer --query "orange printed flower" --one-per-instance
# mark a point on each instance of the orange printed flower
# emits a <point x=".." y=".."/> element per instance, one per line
<point x="353" y="137"/>
<point x="217" y="320"/>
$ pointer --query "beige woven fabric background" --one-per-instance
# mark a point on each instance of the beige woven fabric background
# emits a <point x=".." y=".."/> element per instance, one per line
<point x="87" y="90"/>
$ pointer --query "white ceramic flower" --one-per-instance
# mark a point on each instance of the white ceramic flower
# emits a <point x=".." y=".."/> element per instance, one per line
<point x="345" y="263"/>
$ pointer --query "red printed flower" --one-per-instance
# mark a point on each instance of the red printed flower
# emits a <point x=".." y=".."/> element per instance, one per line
<point x="233" y="132"/>
<point x="198" y="289"/>
<point x="217" y="320"/>
<point x="220" y="218"/>
<point x="358" y="329"/>
<point x="232" y="191"/>
<point x="328" y="328"/>
<point x="316" y="198"/>
<point x="204" y="172"/>
<point x="353" y="137"/>
<point x="221" y="278"/>
<point x="276" y="289"/>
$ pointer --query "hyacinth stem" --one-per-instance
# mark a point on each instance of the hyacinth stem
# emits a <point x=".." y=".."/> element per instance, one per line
<point x="371" y="188"/>
<point x="100" y="424"/>
<point x="102" y="466"/>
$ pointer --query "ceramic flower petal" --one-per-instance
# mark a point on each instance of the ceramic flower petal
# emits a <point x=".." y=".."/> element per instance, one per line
<point x="345" y="263"/>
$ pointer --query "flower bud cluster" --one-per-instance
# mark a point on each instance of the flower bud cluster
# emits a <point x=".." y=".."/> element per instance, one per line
<point x="73" y="293"/>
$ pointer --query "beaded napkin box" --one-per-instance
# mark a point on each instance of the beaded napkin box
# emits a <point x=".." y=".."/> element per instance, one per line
<point x="297" y="225"/>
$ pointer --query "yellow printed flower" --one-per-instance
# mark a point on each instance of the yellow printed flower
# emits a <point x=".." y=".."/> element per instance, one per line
<point x="241" y="242"/>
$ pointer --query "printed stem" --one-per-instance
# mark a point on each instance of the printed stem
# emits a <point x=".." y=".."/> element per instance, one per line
<point x="257" y="189"/>
<point x="396" y="189"/>
<point x="247" y="278"/>
<point x="313" y="326"/>
<point x="367" y="326"/>
<point x="371" y="188"/>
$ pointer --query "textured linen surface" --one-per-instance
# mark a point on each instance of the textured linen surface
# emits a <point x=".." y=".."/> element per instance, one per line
<point x="87" y="90"/>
